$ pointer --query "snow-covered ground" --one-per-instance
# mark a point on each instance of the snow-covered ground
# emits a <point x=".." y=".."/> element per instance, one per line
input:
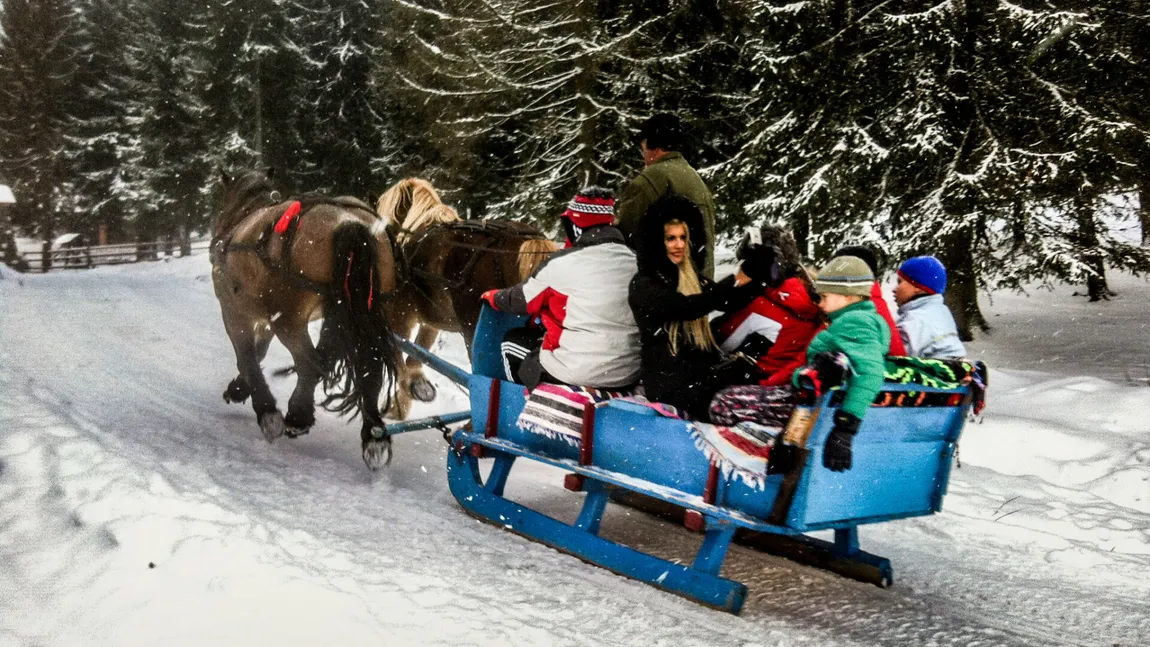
<point x="137" y="508"/>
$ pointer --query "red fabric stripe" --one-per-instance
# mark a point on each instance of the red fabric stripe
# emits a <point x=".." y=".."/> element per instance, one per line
<point x="744" y="445"/>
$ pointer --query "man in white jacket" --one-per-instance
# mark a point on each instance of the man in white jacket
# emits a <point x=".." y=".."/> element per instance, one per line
<point x="590" y="337"/>
<point x="925" y="324"/>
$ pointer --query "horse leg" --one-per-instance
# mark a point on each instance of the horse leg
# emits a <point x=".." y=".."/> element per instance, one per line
<point x="419" y="386"/>
<point x="401" y="404"/>
<point x="376" y="441"/>
<point x="239" y="390"/>
<point x="293" y="334"/>
<point x="248" y="339"/>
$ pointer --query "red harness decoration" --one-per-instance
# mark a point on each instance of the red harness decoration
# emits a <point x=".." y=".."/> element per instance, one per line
<point x="289" y="214"/>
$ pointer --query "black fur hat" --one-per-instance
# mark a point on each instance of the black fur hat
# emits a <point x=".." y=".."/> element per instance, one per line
<point x="663" y="131"/>
<point x="873" y="257"/>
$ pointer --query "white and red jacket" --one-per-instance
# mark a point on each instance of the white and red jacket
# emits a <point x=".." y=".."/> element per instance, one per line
<point x="580" y="293"/>
<point x="787" y="316"/>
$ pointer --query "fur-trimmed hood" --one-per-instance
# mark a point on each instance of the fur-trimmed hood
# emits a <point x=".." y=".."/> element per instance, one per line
<point x="650" y="249"/>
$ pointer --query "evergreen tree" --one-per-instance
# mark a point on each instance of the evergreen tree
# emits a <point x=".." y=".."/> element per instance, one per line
<point x="933" y="130"/>
<point x="103" y="137"/>
<point x="174" y="160"/>
<point x="256" y="64"/>
<point x="347" y="142"/>
<point x="38" y="59"/>
<point x="535" y="100"/>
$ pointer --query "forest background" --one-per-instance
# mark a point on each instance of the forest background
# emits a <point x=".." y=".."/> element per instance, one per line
<point x="1011" y="139"/>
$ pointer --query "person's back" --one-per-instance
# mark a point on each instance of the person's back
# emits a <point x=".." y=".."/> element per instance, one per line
<point x="666" y="173"/>
<point x="925" y="323"/>
<point x="597" y="340"/>
<point x="590" y="336"/>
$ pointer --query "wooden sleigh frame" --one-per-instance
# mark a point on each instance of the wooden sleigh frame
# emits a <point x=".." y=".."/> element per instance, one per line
<point x="629" y="454"/>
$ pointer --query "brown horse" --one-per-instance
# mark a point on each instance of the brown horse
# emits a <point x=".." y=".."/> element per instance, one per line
<point x="274" y="273"/>
<point x="449" y="264"/>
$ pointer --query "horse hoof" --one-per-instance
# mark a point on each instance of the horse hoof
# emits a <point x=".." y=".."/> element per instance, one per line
<point x="237" y="392"/>
<point x="295" y="432"/>
<point x="272" y="425"/>
<point x="422" y="389"/>
<point x="377" y="453"/>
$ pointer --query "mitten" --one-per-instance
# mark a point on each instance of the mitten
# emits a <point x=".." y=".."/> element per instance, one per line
<point x="837" y="451"/>
<point x="489" y="297"/>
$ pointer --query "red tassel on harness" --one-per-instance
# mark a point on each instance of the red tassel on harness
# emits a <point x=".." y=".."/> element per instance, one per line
<point x="370" y="286"/>
<point x="370" y="281"/>
<point x="347" y="276"/>
<point x="289" y="214"/>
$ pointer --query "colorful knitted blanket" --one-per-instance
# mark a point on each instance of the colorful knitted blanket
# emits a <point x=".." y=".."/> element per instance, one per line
<point x="940" y="374"/>
<point x="828" y="370"/>
<point x="556" y="410"/>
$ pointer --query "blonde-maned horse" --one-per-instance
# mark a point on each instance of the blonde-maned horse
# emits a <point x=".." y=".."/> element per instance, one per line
<point x="274" y="272"/>
<point x="449" y="264"/>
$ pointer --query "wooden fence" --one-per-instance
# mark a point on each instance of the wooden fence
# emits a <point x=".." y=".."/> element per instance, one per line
<point x="76" y="258"/>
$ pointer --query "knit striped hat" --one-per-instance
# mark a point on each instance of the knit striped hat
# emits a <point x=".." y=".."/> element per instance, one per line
<point x="848" y="275"/>
<point x="593" y="205"/>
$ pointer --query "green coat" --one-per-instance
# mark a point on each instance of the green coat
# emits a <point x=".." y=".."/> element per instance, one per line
<point x="864" y="337"/>
<point x="671" y="174"/>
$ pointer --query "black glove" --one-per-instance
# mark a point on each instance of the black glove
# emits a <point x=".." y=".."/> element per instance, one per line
<point x="755" y="345"/>
<point x="837" y="451"/>
<point x="762" y="266"/>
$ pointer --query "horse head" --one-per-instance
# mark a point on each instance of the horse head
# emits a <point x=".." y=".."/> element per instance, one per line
<point x="243" y="193"/>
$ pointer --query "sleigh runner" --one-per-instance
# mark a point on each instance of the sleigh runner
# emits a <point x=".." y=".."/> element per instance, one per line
<point x="630" y="453"/>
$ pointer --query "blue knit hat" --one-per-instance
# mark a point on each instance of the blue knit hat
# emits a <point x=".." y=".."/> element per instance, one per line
<point x="924" y="272"/>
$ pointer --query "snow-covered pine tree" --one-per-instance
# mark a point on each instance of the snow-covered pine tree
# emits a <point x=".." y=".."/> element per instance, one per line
<point x="103" y="138"/>
<point x="174" y="163"/>
<point x="347" y="142"/>
<point x="255" y="61"/>
<point x="38" y="50"/>
<point x="1079" y="145"/>
<point x="926" y="129"/>
<point x="536" y="99"/>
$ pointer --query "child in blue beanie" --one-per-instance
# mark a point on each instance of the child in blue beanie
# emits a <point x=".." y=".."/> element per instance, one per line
<point x="925" y="324"/>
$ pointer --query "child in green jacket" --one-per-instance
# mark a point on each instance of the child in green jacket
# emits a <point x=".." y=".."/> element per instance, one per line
<point x="857" y="331"/>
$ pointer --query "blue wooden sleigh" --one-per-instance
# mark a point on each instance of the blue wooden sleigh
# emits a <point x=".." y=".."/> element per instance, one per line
<point x="902" y="459"/>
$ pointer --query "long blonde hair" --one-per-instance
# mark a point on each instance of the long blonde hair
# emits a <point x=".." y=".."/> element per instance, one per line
<point x="697" y="331"/>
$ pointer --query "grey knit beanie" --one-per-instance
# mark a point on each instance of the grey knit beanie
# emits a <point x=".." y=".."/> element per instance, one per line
<point x="848" y="275"/>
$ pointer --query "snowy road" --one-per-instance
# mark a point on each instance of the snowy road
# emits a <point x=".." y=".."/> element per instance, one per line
<point x="116" y="452"/>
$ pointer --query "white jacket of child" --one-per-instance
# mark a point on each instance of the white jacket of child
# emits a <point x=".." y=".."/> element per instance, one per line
<point x="927" y="329"/>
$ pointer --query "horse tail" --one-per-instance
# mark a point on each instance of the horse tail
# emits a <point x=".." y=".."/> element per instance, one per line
<point x="354" y="340"/>
<point x="532" y="253"/>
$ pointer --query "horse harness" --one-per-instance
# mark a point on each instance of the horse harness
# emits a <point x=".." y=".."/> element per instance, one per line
<point x="496" y="229"/>
<point x="285" y="228"/>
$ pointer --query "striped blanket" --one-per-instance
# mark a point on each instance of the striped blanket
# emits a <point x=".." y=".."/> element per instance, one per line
<point x="556" y="410"/>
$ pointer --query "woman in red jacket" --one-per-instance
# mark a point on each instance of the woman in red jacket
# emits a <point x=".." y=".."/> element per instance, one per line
<point x="776" y="327"/>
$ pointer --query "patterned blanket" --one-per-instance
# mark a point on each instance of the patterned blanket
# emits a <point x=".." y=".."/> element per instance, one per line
<point x="556" y="410"/>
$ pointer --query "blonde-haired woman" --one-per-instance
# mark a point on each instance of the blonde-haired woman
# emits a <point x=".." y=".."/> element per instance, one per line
<point x="680" y="361"/>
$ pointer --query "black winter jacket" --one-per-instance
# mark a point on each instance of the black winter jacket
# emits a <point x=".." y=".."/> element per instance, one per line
<point x="686" y="380"/>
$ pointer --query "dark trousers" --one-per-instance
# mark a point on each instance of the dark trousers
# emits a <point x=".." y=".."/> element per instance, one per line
<point x="520" y="350"/>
